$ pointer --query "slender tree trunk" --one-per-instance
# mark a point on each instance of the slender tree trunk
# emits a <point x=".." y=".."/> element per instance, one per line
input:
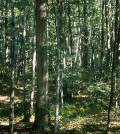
<point x="108" y="46"/>
<point x="6" y="34"/>
<point x="113" y="73"/>
<point x="62" y="49"/>
<point x="102" y="35"/>
<point x="79" y="38"/>
<point x="85" y="37"/>
<point x="117" y="94"/>
<point x="11" y="120"/>
<point x="70" y="40"/>
<point x="58" y="68"/>
<point x="26" y="117"/>
<point x="33" y="70"/>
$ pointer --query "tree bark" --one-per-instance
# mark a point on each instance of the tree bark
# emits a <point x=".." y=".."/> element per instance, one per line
<point x="42" y="116"/>
<point x="11" y="120"/>
<point x="33" y="69"/>
<point x="58" y="67"/>
<point x="85" y="37"/>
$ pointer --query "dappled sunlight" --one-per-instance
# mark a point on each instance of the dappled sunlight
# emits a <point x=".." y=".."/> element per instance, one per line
<point x="75" y="116"/>
<point x="4" y="99"/>
<point x="4" y="123"/>
<point x="60" y="67"/>
<point x="72" y="124"/>
<point x="116" y="123"/>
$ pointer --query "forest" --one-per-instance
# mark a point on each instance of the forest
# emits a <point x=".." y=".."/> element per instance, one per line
<point x="59" y="66"/>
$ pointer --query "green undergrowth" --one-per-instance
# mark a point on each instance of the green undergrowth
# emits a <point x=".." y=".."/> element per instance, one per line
<point x="83" y="117"/>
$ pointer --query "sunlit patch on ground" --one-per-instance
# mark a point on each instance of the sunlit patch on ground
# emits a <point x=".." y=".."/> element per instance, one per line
<point x="4" y="123"/>
<point x="4" y="99"/>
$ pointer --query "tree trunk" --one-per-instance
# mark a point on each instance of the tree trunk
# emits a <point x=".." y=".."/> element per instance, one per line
<point x="85" y="37"/>
<point x="6" y="34"/>
<point x="11" y="120"/>
<point x="42" y="116"/>
<point x="58" y="67"/>
<point x="113" y="73"/>
<point x="26" y="115"/>
<point x="102" y="35"/>
<point x="108" y="34"/>
<point x="33" y="69"/>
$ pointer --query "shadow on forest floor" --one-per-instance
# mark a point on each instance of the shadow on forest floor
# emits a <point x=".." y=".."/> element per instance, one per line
<point x="19" y="128"/>
<point x="92" y="129"/>
<point x="5" y="89"/>
<point x="86" y="129"/>
<point x="77" y="106"/>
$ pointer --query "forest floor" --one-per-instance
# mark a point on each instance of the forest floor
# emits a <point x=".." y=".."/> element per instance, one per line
<point x="78" y="115"/>
<point x="85" y="117"/>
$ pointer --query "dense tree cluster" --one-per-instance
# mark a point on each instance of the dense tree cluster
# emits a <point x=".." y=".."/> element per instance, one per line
<point x="54" y="50"/>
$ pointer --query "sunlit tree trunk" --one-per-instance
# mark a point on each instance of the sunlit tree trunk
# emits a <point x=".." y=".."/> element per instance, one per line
<point x="62" y="49"/>
<point x="33" y="69"/>
<point x="2" y="39"/>
<point x="58" y="68"/>
<point x="6" y="34"/>
<point x="78" y="49"/>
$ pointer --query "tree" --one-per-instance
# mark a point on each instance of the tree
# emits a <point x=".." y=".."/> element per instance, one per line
<point x="33" y="67"/>
<point x="58" y="65"/>
<point x="6" y="32"/>
<point x="113" y="73"/>
<point x="26" y="117"/>
<point x="11" y="120"/>
<point x="77" y="48"/>
<point x="42" y="116"/>
<point x="85" y="37"/>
